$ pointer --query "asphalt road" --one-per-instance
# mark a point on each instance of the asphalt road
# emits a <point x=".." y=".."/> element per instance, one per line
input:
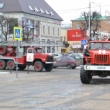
<point x="60" y="89"/>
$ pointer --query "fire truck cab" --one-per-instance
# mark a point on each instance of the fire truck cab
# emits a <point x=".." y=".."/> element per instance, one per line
<point x="96" y="61"/>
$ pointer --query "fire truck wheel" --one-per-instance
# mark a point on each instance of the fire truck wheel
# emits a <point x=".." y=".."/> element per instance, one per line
<point x="11" y="65"/>
<point x="2" y="64"/>
<point x="48" y="67"/>
<point x="85" y="76"/>
<point x="38" y="66"/>
<point x="3" y="50"/>
<point x="21" y="67"/>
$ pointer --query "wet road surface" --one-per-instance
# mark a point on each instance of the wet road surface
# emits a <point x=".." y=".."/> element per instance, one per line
<point x="60" y="89"/>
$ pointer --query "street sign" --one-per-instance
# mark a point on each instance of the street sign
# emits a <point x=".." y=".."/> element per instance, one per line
<point x="18" y="33"/>
<point x="84" y="41"/>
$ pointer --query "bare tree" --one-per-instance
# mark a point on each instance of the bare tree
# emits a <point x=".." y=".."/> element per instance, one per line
<point x="7" y="25"/>
<point x="94" y="22"/>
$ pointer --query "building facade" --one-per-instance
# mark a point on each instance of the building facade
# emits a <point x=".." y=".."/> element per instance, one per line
<point x="104" y="25"/>
<point x="41" y="15"/>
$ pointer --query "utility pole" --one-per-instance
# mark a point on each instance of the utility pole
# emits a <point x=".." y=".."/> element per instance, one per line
<point x="89" y="19"/>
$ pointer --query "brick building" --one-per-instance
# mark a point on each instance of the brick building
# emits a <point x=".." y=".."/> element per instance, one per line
<point x="75" y="44"/>
<point x="104" y="23"/>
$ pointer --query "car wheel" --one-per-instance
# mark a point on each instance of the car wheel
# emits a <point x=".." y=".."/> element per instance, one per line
<point x="73" y="67"/>
<point x="69" y="66"/>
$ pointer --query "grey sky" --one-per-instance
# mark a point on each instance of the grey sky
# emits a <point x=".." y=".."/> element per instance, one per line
<point x="71" y="9"/>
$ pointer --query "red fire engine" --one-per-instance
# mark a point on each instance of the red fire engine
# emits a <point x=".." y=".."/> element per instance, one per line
<point x="31" y="57"/>
<point x="96" y="61"/>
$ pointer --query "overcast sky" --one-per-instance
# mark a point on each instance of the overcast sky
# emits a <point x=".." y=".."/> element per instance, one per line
<point x="71" y="9"/>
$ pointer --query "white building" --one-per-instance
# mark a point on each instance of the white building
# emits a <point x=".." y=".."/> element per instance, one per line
<point x="39" y="13"/>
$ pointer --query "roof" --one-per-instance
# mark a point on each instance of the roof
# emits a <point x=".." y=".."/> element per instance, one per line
<point x="98" y="17"/>
<point x="35" y="7"/>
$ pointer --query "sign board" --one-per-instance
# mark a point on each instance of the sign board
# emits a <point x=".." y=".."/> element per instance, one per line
<point x="18" y="33"/>
<point x="84" y="41"/>
<point x="76" y="44"/>
<point x="75" y="35"/>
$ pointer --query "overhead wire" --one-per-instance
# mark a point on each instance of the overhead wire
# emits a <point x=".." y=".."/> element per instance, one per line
<point x="71" y="10"/>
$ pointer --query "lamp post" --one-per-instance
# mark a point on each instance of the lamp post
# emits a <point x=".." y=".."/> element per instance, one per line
<point x="90" y="16"/>
<point x="89" y="19"/>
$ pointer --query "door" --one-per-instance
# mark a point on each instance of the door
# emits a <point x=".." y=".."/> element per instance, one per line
<point x="30" y="55"/>
<point x="64" y="61"/>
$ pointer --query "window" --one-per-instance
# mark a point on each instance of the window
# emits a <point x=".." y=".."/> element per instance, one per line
<point x="77" y="26"/>
<point x="48" y="29"/>
<point x="51" y="14"/>
<point x="64" y="58"/>
<point x="95" y="46"/>
<point x="106" y="46"/>
<point x="32" y="29"/>
<point x="46" y="12"/>
<point x="58" y="31"/>
<point x="54" y="30"/>
<point x="48" y="49"/>
<point x="30" y="8"/>
<point x="12" y="23"/>
<point x="29" y="50"/>
<point x="1" y="5"/>
<point x="36" y="9"/>
<point x="43" y="29"/>
<point x="41" y="10"/>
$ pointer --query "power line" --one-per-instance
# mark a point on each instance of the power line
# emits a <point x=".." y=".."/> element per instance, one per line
<point x="71" y="10"/>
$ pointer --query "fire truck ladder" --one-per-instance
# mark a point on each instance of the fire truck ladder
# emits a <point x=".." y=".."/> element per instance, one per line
<point x="31" y="43"/>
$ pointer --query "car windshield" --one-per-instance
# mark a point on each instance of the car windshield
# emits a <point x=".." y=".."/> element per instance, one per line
<point x="106" y="46"/>
<point x="96" y="45"/>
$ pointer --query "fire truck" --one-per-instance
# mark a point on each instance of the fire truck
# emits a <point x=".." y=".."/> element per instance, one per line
<point x="31" y="56"/>
<point x="96" y="61"/>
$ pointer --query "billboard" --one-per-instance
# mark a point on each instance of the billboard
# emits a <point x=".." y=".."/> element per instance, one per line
<point x="75" y="35"/>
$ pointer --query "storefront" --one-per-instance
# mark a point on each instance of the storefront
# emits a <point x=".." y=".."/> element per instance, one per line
<point x="74" y="37"/>
<point x="76" y="46"/>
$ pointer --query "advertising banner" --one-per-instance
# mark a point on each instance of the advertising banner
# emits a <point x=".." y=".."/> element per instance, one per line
<point x="75" y="35"/>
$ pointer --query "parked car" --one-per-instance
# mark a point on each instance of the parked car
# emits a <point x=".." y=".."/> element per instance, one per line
<point x="55" y="55"/>
<point x="66" y="61"/>
<point x="77" y="57"/>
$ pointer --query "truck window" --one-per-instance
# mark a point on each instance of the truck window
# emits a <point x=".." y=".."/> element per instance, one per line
<point x="30" y="51"/>
<point x="106" y="46"/>
<point x="95" y="46"/>
<point x="34" y="51"/>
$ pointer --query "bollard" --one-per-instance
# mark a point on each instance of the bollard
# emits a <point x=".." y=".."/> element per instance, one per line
<point x="10" y="71"/>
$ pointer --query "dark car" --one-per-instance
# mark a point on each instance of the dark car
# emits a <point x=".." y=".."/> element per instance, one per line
<point x="66" y="61"/>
